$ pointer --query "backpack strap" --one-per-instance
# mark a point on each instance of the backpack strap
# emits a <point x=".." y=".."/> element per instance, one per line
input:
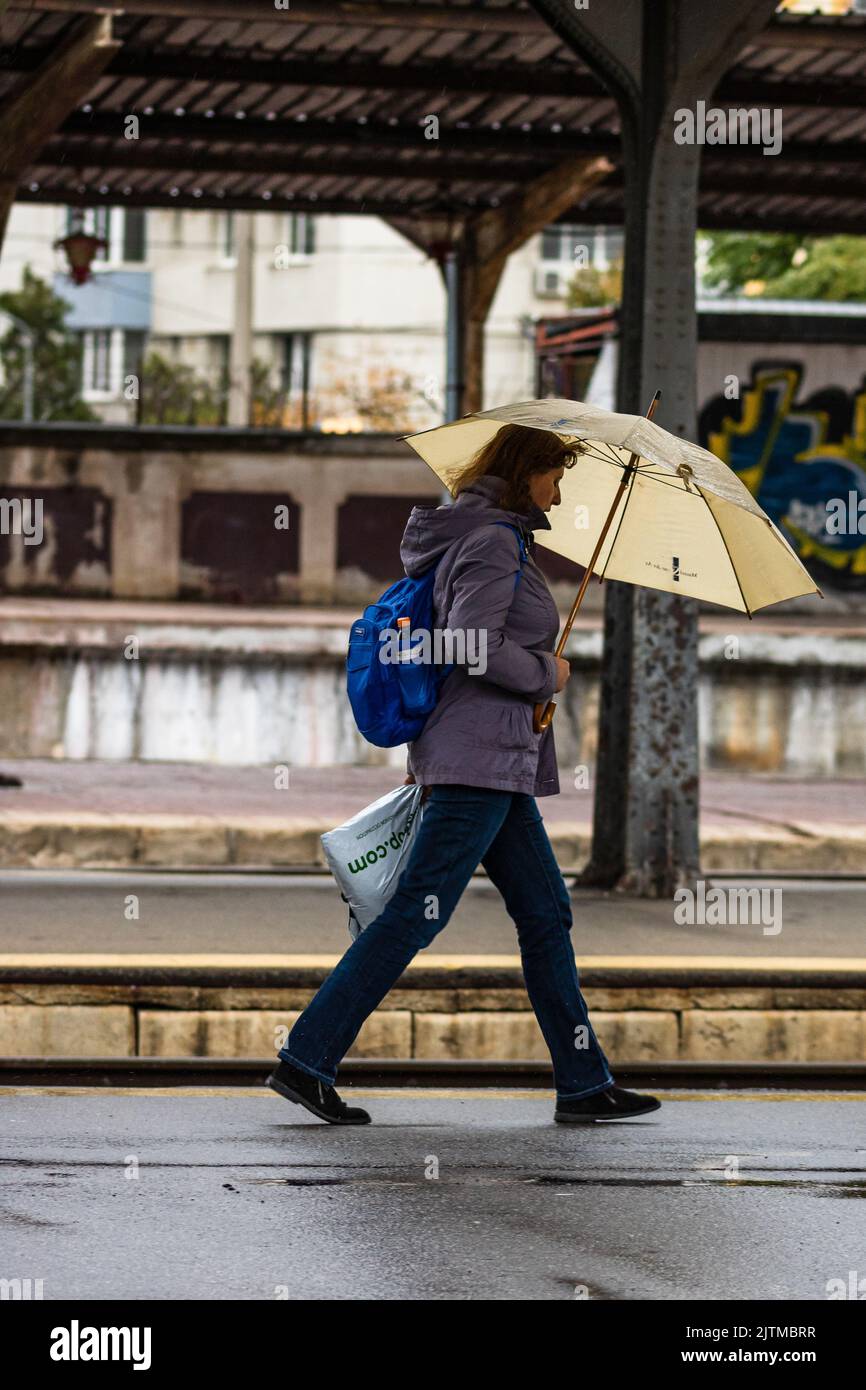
<point x="522" y="547"/>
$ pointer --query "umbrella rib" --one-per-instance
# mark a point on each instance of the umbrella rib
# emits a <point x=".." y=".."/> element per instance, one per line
<point x="613" y="461"/>
<point x="619" y="524"/>
<point x="727" y="551"/>
<point x="663" y="479"/>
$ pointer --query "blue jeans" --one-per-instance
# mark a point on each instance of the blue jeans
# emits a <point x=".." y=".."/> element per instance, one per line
<point x="461" y="827"/>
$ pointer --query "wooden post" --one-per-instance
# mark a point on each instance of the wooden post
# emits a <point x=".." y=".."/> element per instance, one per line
<point x="484" y="243"/>
<point x="40" y="102"/>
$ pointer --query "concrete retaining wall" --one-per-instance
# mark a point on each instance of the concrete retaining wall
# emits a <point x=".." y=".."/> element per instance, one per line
<point x="103" y="842"/>
<point x="796" y="1022"/>
<point x="249" y="689"/>
<point x="164" y="513"/>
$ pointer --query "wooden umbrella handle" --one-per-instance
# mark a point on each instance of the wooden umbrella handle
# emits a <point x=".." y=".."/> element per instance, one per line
<point x="543" y="713"/>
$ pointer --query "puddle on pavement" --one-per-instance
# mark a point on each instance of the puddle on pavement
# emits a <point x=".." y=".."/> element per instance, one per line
<point x="856" y="1187"/>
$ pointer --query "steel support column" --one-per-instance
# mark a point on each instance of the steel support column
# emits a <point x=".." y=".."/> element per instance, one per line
<point x="656" y="56"/>
<point x="454" y="336"/>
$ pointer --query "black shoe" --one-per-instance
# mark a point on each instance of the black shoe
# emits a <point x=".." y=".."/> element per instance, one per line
<point x="612" y="1104"/>
<point x="315" y="1096"/>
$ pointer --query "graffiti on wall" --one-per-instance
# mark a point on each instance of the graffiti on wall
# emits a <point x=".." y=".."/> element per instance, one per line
<point x="804" y="463"/>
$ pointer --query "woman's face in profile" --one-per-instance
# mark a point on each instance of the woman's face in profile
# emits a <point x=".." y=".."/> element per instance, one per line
<point x="544" y="488"/>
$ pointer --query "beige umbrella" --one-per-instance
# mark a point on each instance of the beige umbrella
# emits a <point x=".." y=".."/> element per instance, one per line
<point x="640" y="505"/>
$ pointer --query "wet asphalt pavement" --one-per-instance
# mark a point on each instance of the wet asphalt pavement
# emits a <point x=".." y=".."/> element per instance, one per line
<point x="447" y="1195"/>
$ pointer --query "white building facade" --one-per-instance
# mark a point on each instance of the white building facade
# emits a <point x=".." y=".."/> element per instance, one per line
<point x="348" y="318"/>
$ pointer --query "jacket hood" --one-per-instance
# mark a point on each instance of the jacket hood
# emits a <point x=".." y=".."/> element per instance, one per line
<point x="430" y="530"/>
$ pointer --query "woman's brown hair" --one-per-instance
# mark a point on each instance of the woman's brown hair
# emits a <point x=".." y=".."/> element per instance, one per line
<point x="514" y="453"/>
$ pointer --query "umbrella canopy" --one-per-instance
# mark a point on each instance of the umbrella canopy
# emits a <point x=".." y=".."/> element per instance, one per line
<point x="684" y="523"/>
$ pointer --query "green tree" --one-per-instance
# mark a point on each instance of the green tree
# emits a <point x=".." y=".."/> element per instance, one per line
<point x="56" y="355"/>
<point x="267" y="402"/>
<point x="832" y="267"/>
<point x="594" y="289"/>
<point x="172" y="394"/>
<point x="785" y="265"/>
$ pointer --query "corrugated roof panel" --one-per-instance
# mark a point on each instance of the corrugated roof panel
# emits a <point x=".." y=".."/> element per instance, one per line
<point x="790" y="52"/>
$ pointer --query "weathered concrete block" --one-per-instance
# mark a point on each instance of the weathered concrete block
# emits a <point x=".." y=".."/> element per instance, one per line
<point x="211" y="1033"/>
<point x="166" y="996"/>
<point x="86" y="846"/>
<point x="257" y="1033"/>
<point x="614" y="1000"/>
<point x="31" y="1030"/>
<point x="283" y="843"/>
<point x="386" y="1033"/>
<point x="488" y="1000"/>
<point x="498" y="1036"/>
<point x="423" y="1001"/>
<point x="23" y="845"/>
<point x="793" y="1035"/>
<point x="66" y="994"/>
<point x="183" y="842"/>
<point x="46" y="844"/>
<point x="842" y="851"/>
<point x="734" y="998"/>
<point x="851" y="999"/>
<point x="637" y="1036"/>
<point x="759" y="849"/>
<point x="282" y="1001"/>
<point x="505" y="1036"/>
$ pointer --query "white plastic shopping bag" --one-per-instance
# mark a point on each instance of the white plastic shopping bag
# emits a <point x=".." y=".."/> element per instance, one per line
<point x="368" y="854"/>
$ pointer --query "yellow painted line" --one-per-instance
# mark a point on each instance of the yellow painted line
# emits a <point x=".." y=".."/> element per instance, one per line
<point x="82" y="960"/>
<point x="415" y="1093"/>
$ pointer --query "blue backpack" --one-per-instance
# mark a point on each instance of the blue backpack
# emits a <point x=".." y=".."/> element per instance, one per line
<point x="392" y="699"/>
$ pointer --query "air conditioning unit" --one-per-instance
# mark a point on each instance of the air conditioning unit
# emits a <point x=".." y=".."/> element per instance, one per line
<point x="551" y="281"/>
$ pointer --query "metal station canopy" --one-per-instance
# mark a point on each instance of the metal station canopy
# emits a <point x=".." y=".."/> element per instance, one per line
<point x="326" y="107"/>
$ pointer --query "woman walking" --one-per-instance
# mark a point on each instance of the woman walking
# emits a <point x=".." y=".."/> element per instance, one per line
<point x="483" y="765"/>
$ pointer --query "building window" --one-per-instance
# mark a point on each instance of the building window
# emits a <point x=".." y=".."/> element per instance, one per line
<point x="133" y="352"/>
<point x="295" y="370"/>
<point x="108" y="357"/>
<point x="562" y="243"/>
<point x="295" y="362"/>
<point x="124" y="230"/>
<point x="96" y="360"/>
<point x="219" y="352"/>
<point x="134" y="232"/>
<point x="227" y="236"/>
<point x="302" y="234"/>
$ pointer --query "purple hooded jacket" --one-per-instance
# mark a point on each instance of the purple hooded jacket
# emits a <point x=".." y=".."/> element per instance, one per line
<point x="480" y="732"/>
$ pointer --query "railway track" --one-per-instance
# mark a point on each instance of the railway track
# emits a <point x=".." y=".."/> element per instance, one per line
<point x="399" y="1072"/>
